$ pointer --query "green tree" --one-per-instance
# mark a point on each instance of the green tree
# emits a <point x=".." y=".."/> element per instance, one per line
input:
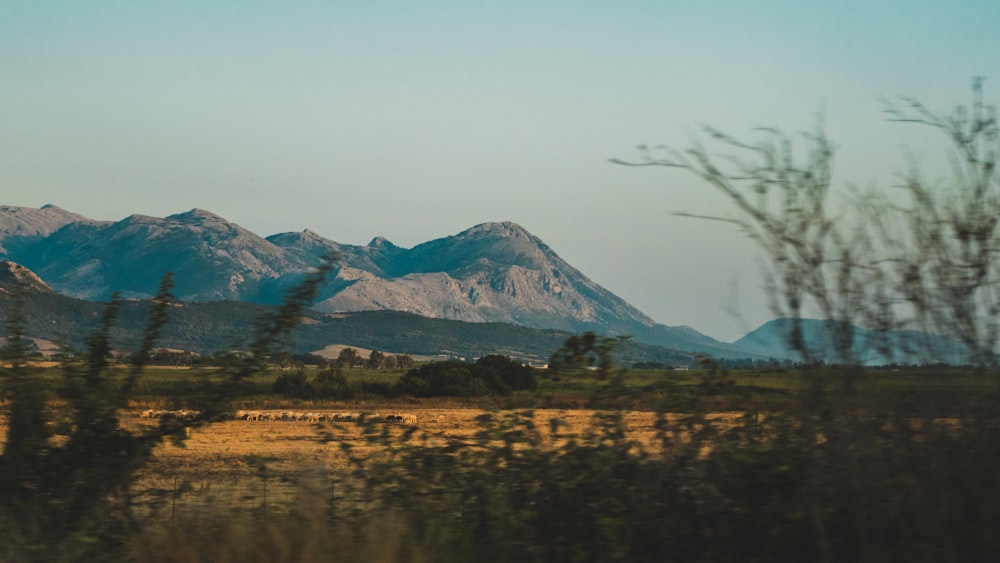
<point x="586" y="350"/>
<point x="376" y="360"/>
<point x="403" y="361"/>
<point x="348" y="358"/>
<point x="491" y="374"/>
<point x="17" y="347"/>
<point x="504" y="374"/>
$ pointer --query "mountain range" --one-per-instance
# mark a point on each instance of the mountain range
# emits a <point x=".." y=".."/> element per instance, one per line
<point x="494" y="282"/>
<point x="491" y="273"/>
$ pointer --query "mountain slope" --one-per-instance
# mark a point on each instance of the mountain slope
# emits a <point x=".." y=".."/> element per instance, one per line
<point x="210" y="257"/>
<point x="493" y="272"/>
<point x="206" y="327"/>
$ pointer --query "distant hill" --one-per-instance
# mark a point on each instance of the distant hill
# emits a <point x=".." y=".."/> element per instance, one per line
<point x="869" y="347"/>
<point x="490" y="273"/>
<point x="14" y="276"/>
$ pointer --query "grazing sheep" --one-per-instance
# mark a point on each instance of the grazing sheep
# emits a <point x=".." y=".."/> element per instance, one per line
<point x="401" y="418"/>
<point x="185" y="414"/>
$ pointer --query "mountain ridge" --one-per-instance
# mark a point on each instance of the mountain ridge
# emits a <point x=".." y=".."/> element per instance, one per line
<point x="491" y="272"/>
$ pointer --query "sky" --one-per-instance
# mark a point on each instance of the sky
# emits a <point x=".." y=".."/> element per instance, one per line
<point x="415" y="120"/>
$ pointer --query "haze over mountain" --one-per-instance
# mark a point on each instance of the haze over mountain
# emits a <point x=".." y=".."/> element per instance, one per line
<point x="492" y="272"/>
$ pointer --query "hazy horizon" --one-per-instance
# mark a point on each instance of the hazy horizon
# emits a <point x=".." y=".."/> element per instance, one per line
<point x="415" y="121"/>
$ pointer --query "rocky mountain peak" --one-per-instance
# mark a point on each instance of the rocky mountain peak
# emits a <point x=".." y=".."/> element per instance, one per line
<point x="28" y="221"/>
<point x="138" y="219"/>
<point x="303" y="237"/>
<point x="381" y="242"/>
<point x="21" y="227"/>
<point x="504" y="229"/>
<point x="197" y="216"/>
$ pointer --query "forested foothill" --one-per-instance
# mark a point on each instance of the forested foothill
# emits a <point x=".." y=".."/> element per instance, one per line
<point x="811" y="460"/>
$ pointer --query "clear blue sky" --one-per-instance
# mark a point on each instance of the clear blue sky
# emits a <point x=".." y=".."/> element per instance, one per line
<point x="416" y="120"/>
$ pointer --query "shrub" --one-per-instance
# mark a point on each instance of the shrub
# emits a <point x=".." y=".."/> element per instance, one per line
<point x="493" y="374"/>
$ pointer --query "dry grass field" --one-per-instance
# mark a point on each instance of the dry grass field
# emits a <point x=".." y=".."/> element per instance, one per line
<point x="236" y="488"/>
<point x="268" y="463"/>
<point x="218" y="449"/>
<point x="277" y="466"/>
<point x="265" y="463"/>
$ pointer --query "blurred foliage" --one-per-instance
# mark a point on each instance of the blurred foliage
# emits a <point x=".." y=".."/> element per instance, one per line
<point x="68" y="460"/>
<point x="825" y="481"/>
<point x="587" y="350"/>
<point x="61" y="463"/>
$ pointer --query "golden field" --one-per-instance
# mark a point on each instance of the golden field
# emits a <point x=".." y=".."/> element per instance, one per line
<point x="266" y="463"/>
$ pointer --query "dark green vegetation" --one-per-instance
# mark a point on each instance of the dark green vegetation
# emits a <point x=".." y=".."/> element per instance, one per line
<point x="206" y="328"/>
<point x="486" y="377"/>
<point x="940" y="391"/>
